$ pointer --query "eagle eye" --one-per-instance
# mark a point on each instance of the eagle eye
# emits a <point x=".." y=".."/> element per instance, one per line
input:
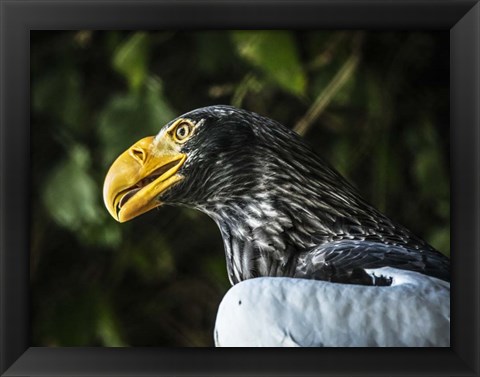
<point x="182" y="131"/>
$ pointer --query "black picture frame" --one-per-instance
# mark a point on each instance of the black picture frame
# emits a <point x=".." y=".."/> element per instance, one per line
<point x="19" y="17"/>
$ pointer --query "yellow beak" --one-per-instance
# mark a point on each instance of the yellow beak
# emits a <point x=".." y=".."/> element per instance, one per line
<point x="137" y="178"/>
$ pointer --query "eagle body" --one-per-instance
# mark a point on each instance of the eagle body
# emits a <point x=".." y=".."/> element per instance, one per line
<point x="281" y="209"/>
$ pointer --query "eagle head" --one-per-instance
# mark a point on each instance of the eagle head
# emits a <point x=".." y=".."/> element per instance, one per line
<point x="202" y="159"/>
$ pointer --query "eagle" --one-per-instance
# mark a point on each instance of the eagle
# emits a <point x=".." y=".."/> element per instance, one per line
<point x="282" y="210"/>
<point x="292" y="228"/>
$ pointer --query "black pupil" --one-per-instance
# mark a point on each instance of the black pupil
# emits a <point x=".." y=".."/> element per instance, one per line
<point x="182" y="132"/>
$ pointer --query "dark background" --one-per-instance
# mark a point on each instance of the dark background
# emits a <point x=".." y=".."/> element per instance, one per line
<point x="375" y="104"/>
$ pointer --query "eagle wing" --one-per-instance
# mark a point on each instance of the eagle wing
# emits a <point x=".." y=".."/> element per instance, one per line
<point x="346" y="261"/>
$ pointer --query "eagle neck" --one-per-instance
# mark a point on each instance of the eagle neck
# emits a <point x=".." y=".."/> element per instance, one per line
<point x="257" y="239"/>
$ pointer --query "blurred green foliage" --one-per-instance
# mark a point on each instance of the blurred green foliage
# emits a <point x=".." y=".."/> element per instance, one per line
<point x="262" y="51"/>
<point x="373" y="103"/>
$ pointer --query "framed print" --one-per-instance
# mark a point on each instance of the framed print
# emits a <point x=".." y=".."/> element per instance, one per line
<point x="83" y="81"/>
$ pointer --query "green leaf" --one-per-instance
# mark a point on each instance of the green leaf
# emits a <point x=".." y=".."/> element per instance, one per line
<point x="131" y="59"/>
<point x="107" y="325"/>
<point x="129" y="117"/>
<point x="73" y="200"/>
<point x="70" y="194"/>
<point x="275" y="53"/>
